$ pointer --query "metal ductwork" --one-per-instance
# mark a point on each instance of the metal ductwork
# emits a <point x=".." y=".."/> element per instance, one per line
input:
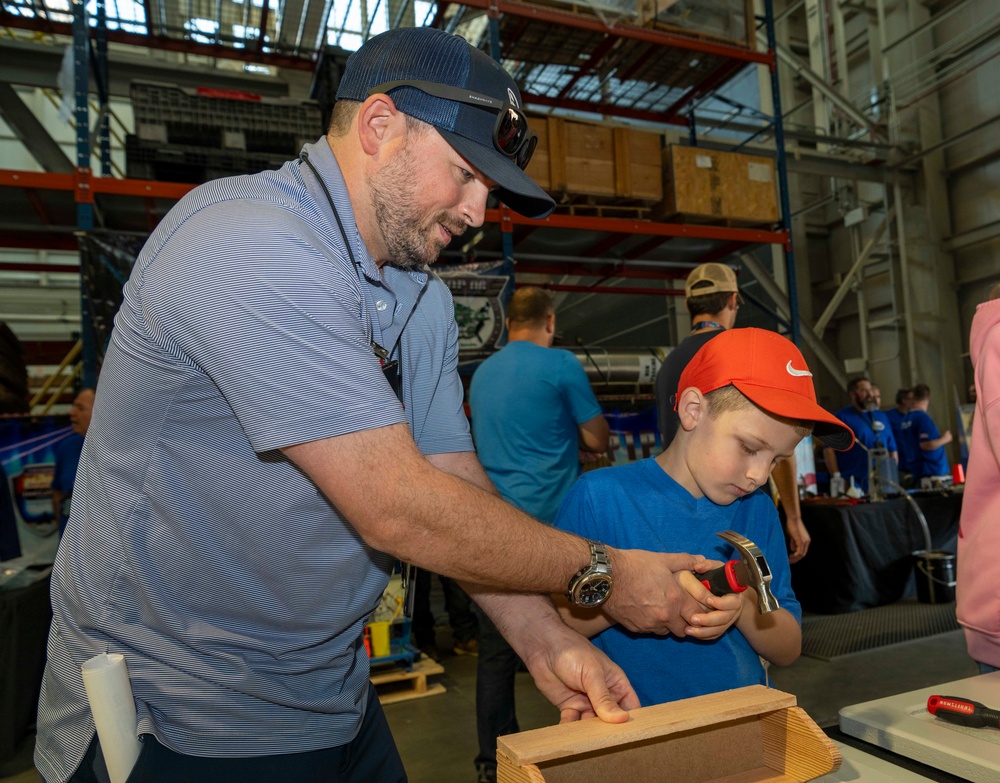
<point x="626" y="366"/>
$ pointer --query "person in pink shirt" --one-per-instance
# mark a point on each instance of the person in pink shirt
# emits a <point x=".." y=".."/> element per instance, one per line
<point x="978" y="588"/>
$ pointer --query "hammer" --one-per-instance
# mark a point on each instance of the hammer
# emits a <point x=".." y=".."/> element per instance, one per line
<point x="750" y="570"/>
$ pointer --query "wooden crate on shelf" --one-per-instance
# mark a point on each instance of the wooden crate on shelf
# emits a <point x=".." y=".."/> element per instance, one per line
<point x="706" y="185"/>
<point x="746" y="735"/>
<point x="591" y="159"/>
<point x="725" y="21"/>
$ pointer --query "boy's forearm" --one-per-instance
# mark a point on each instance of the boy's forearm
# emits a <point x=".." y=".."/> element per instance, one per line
<point x="775" y="636"/>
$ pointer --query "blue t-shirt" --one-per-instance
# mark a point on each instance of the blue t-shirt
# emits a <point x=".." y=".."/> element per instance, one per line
<point x="869" y="427"/>
<point x="527" y="402"/>
<point x="926" y="463"/>
<point x="901" y="424"/>
<point x="639" y="506"/>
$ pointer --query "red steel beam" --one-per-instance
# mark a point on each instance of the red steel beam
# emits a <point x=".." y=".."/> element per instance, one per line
<point x="38" y="240"/>
<point x="621" y="30"/>
<point x="750" y="236"/>
<point x="602" y="289"/>
<point x="168" y="44"/>
<point x="604" y="270"/>
<point x="70" y="182"/>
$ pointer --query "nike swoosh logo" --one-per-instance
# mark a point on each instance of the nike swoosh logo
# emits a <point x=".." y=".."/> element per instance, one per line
<point x="797" y="373"/>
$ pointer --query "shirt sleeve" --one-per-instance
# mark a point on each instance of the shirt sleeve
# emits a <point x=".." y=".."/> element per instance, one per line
<point x="576" y="512"/>
<point x="275" y="320"/>
<point x="434" y="398"/>
<point x="928" y="429"/>
<point x="579" y="396"/>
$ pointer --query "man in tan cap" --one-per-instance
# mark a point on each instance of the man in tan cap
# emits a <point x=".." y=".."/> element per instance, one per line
<point x="713" y="298"/>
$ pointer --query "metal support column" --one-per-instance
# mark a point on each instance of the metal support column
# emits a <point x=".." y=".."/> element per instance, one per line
<point x="84" y="193"/>
<point x="103" y="125"/>
<point x="782" y="171"/>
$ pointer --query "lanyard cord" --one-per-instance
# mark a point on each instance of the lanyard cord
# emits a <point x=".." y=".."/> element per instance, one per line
<point x="380" y="352"/>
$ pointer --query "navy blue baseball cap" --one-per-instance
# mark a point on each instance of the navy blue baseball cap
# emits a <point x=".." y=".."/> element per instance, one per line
<point x="437" y="58"/>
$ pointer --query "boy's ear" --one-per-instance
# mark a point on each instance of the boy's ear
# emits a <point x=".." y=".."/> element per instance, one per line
<point x="691" y="408"/>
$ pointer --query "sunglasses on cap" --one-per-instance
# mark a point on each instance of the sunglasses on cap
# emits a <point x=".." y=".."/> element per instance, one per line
<point x="511" y="135"/>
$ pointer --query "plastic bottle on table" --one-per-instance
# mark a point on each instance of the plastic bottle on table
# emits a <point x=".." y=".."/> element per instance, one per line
<point x="836" y="485"/>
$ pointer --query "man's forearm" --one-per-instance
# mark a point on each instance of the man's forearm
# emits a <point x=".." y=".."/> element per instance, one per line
<point x="830" y="458"/>
<point x="785" y="480"/>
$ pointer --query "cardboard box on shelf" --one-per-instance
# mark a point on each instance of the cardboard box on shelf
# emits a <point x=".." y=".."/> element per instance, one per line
<point x="591" y="159"/>
<point x="713" y="186"/>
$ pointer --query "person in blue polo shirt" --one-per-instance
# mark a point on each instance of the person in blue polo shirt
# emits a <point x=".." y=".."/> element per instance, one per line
<point x="870" y="427"/>
<point x="930" y="459"/>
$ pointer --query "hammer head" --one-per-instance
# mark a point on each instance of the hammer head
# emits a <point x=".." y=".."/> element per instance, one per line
<point x="757" y="572"/>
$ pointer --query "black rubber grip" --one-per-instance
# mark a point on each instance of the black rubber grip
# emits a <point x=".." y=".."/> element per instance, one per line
<point x="722" y="580"/>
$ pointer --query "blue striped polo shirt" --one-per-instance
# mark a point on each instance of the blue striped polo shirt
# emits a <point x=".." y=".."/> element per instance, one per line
<point x="235" y="591"/>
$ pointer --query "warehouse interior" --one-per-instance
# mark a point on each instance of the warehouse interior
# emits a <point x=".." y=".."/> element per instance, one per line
<point x="867" y="228"/>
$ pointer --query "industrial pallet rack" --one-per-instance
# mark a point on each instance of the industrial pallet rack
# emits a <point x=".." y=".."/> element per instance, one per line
<point x="650" y="52"/>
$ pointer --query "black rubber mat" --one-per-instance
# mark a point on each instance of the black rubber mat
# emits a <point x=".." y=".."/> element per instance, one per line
<point x="830" y="636"/>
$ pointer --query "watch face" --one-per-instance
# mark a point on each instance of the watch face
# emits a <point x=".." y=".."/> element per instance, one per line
<point x="594" y="590"/>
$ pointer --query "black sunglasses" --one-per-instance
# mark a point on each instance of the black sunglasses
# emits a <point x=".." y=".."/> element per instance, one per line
<point x="511" y="135"/>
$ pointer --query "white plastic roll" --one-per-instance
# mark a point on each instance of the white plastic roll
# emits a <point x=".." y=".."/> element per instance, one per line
<point x="105" y="678"/>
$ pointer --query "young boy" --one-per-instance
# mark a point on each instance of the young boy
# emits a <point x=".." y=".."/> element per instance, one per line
<point x="744" y="401"/>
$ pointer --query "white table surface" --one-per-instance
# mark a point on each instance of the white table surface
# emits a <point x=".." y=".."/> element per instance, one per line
<point x="901" y="724"/>
<point x="861" y="767"/>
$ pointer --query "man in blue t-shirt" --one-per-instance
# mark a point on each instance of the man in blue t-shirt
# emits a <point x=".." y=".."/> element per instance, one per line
<point x="871" y="427"/>
<point x="927" y="442"/>
<point x="533" y="411"/>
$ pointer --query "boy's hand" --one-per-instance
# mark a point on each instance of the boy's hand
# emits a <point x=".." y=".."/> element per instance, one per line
<point x="721" y="610"/>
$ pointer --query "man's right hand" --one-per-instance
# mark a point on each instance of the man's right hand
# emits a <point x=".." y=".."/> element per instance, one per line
<point x="646" y="597"/>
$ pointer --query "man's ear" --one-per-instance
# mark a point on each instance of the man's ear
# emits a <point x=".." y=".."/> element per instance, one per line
<point x="734" y="302"/>
<point x="378" y="120"/>
<point x="691" y="408"/>
<point x="550" y="323"/>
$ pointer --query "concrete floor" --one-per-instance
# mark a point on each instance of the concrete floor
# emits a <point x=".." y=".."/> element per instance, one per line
<point x="436" y="734"/>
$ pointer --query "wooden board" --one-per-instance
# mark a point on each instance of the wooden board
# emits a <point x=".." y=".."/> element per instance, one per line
<point x="397" y="684"/>
<point x="585" y="736"/>
<point x="765" y="737"/>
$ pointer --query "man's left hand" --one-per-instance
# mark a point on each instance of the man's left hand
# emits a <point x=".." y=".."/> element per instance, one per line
<point x="580" y="680"/>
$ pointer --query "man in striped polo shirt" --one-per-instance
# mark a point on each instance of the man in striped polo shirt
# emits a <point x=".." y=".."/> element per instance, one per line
<point x="279" y="418"/>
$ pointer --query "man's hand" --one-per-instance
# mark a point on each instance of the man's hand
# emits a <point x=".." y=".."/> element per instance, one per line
<point x="569" y="671"/>
<point x="646" y="597"/>
<point x="799" y="537"/>
<point x="579" y="679"/>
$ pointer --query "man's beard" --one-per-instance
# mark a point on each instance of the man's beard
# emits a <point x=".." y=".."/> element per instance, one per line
<point x="398" y="218"/>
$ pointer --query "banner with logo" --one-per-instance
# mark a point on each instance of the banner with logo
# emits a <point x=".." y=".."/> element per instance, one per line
<point x="27" y="455"/>
<point x="481" y="292"/>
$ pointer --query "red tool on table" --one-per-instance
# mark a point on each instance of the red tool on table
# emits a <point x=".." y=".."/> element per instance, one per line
<point x="963" y="712"/>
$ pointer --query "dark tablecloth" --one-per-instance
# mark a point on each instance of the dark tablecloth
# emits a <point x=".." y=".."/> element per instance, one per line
<point x="862" y="556"/>
<point x="25" y="614"/>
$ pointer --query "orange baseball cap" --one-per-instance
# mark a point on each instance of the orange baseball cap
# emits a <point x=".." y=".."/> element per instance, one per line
<point x="769" y="371"/>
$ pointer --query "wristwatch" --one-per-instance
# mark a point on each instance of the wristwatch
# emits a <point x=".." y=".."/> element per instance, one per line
<point x="591" y="586"/>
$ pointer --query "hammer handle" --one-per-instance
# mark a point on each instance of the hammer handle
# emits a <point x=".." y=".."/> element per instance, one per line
<point x="722" y="580"/>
